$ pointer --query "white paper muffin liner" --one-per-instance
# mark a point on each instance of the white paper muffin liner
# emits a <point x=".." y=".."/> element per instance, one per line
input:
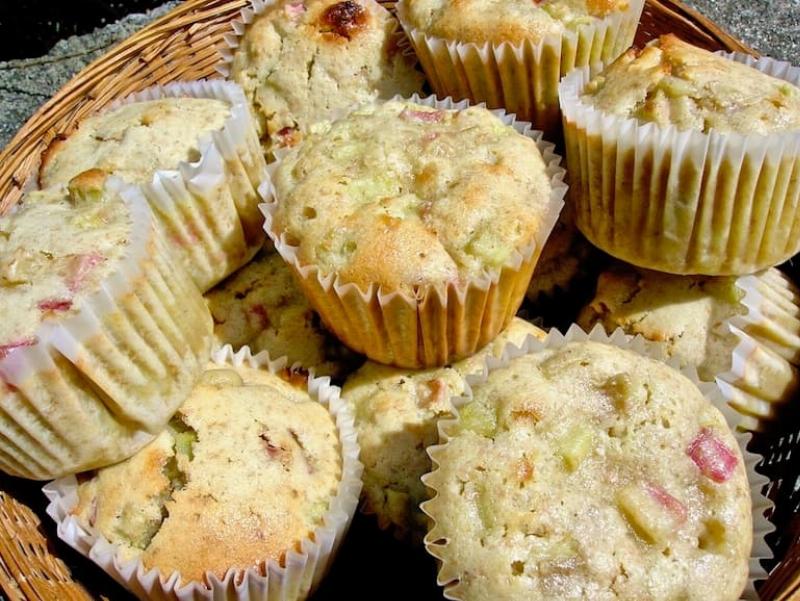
<point x="102" y="382"/>
<point x="760" y="504"/>
<point x="209" y="208"/>
<point x="442" y="323"/>
<point x="764" y="373"/>
<point x="303" y="569"/>
<point x="683" y="201"/>
<point x="520" y="78"/>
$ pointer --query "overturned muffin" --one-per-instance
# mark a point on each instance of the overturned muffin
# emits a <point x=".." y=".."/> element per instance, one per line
<point x="135" y="140"/>
<point x="396" y="412"/>
<point x="692" y="317"/>
<point x="245" y="472"/>
<point x="587" y="471"/>
<point x="300" y="62"/>
<point x="262" y="307"/>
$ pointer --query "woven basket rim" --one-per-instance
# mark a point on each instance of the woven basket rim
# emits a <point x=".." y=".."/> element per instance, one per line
<point x="184" y="43"/>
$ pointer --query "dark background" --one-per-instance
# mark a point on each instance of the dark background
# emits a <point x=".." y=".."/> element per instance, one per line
<point x="29" y="28"/>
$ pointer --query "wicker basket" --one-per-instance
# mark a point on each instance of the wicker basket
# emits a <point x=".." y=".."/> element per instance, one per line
<point x="184" y="45"/>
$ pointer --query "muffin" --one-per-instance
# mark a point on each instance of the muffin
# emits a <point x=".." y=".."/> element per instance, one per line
<point x="512" y="54"/>
<point x="711" y="141"/>
<point x="193" y="149"/>
<point x="396" y="413"/>
<point x="191" y="506"/>
<point x="588" y="471"/>
<point x="262" y="307"/>
<point x="414" y="228"/>
<point x="103" y="333"/>
<point x="692" y="317"/>
<point x="562" y="262"/>
<point x="332" y="55"/>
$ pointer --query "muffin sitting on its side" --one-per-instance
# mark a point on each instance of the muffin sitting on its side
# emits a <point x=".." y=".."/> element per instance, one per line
<point x="692" y="317"/>
<point x="262" y="307"/>
<point x="193" y="149"/>
<point x="301" y="61"/>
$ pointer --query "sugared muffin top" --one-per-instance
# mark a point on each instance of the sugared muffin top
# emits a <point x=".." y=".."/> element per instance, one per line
<point x="56" y="246"/>
<point x="404" y="196"/>
<point x="590" y="472"/>
<point x="500" y="21"/>
<point x="396" y="414"/>
<point x="135" y="140"/>
<point x="687" y="314"/>
<point x="261" y="306"/>
<point x="245" y="471"/>
<point x="300" y="61"/>
<point x="671" y="82"/>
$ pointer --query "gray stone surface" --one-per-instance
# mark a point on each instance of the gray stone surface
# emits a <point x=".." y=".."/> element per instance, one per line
<point x="26" y="84"/>
<point x="770" y="26"/>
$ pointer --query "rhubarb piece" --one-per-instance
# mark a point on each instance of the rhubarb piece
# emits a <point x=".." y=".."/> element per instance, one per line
<point x="712" y="456"/>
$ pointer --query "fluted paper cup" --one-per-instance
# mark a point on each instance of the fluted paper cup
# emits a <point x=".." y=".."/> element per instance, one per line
<point x="764" y="374"/>
<point x="101" y="383"/>
<point x="442" y="323"/>
<point x="290" y="580"/>
<point x="683" y="202"/>
<point x="520" y="78"/>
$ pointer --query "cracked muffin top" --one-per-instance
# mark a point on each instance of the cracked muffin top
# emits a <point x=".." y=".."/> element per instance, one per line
<point x="261" y="306"/>
<point x="244" y="472"/>
<point x="56" y="247"/>
<point x="135" y="140"/>
<point x="500" y="21"/>
<point x="396" y="414"/>
<point x="404" y="196"/>
<point x="688" y="314"/>
<point x="671" y="82"/>
<point x="300" y="61"/>
<point x="590" y="472"/>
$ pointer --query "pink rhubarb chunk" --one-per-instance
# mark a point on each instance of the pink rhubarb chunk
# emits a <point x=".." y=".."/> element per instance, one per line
<point x="667" y="501"/>
<point x="422" y="116"/>
<point x="712" y="456"/>
<point x="294" y="10"/>
<point x="55" y="304"/>
<point x="79" y="268"/>
<point x="5" y="349"/>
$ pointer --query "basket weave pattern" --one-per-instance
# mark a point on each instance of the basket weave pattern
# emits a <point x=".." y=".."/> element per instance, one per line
<point x="184" y="44"/>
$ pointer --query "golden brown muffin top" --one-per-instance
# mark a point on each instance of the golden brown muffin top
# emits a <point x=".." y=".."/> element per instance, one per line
<point x="671" y="82"/>
<point x="500" y="21"/>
